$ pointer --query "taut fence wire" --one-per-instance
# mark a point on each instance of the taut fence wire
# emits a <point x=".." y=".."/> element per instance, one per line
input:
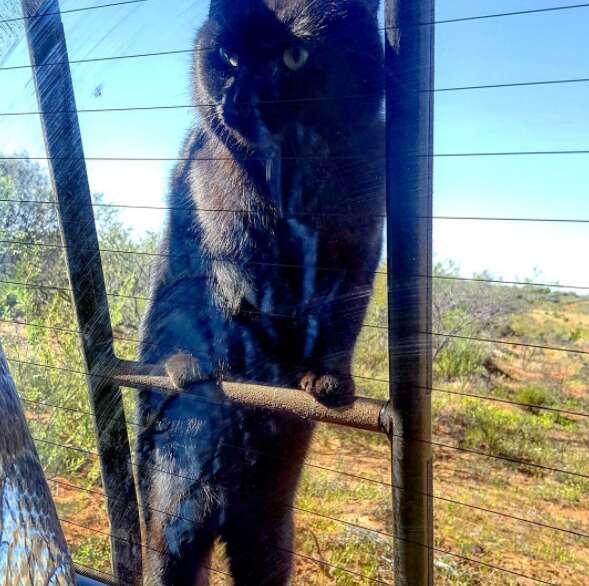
<point x="408" y="408"/>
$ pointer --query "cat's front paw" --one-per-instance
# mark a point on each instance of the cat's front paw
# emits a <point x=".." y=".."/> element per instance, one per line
<point x="328" y="389"/>
<point x="183" y="369"/>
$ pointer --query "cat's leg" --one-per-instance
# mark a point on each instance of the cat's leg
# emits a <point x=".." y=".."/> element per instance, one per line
<point x="184" y="339"/>
<point x="178" y="526"/>
<point x="178" y="459"/>
<point x="258" y="532"/>
<point x="328" y="377"/>
<point x="259" y="546"/>
<point x="177" y="561"/>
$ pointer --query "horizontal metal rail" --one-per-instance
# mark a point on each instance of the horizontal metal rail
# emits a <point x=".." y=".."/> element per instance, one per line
<point x="362" y="413"/>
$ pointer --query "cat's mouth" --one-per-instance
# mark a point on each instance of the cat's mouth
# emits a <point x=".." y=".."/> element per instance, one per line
<point x="250" y="123"/>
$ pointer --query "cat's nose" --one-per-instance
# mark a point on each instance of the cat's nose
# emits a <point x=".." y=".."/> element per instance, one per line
<point x="238" y="108"/>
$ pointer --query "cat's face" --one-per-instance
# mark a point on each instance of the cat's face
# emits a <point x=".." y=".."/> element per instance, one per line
<point x="263" y="65"/>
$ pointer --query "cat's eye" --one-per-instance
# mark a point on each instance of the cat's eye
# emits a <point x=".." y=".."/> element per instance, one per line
<point x="229" y="58"/>
<point x="295" y="57"/>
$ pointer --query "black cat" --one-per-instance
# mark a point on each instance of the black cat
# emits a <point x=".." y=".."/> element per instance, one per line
<point x="267" y="266"/>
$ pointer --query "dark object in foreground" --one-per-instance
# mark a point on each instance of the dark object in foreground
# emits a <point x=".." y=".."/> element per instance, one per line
<point x="32" y="546"/>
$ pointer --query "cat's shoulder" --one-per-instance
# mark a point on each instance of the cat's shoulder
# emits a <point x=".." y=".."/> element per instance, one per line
<point x="194" y="143"/>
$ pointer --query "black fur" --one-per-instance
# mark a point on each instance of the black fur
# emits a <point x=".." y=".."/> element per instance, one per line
<point x="270" y="249"/>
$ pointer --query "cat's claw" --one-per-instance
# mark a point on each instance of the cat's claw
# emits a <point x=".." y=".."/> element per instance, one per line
<point x="183" y="369"/>
<point x="328" y="389"/>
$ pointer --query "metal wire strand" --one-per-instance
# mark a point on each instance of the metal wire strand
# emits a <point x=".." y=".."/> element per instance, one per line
<point x="208" y="159"/>
<point x="302" y="213"/>
<point x="432" y="389"/>
<point x="277" y="265"/>
<point x="509" y="343"/>
<point x="300" y="100"/>
<point x="188" y="51"/>
<point x="353" y="376"/>
<point x="367" y="325"/>
<point x="174" y="52"/>
<point x="356" y="477"/>
<point x="501" y="15"/>
<point x="118" y="338"/>
<point x="294" y="553"/>
<point x="507" y="402"/>
<point x="118" y="538"/>
<point x="499" y="282"/>
<point x="509" y="153"/>
<point x="384" y="533"/>
<point x="572" y="532"/>
<point x="529" y="83"/>
<point x="566" y="152"/>
<point x="100" y="59"/>
<point x="432" y="277"/>
<point x="60" y="246"/>
<point x="69" y="11"/>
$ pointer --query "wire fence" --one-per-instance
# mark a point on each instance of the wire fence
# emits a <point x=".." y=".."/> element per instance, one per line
<point x="363" y="479"/>
<point x="22" y="342"/>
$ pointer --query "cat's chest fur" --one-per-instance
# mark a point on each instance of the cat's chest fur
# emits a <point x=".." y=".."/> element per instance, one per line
<point x="265" y="254"/>
<point x="268" y="262"/>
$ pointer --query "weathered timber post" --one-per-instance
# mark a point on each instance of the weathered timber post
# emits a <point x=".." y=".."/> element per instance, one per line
<point x="409" y="48"/>
<point x="55" y="95"/>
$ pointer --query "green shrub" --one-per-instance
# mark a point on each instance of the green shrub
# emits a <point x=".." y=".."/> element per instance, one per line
<point x="534" y="396"/>
<point x="504" y="432"/>
<point x="459" y="359"/>
<point x="93" y="551"/>
<point x="575" y="335"/>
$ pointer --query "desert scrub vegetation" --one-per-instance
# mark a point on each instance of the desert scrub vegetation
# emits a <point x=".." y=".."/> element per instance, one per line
<point x="498" y="403"/>
<point x="501" y="431"/>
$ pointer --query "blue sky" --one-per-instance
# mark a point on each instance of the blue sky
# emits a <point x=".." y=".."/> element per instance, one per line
<point x="545" y="46"/>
